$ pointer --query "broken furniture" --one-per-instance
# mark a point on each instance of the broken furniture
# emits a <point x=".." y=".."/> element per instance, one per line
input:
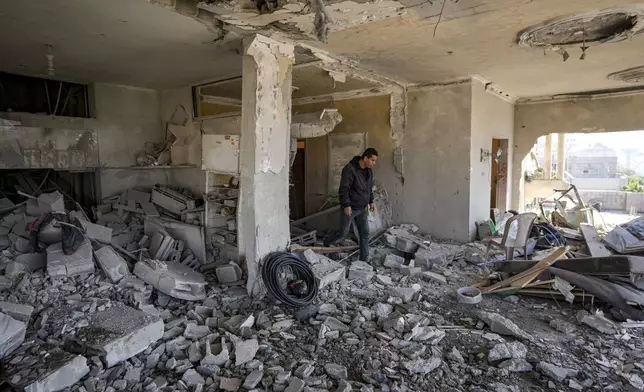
<point x="516" y="235"/>
<point x="563" y="216"/>
<point x="173" y="279"/>
<point x="172" y="200"/>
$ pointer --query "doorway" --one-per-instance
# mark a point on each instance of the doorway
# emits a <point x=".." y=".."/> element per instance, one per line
<point x="297" y="193"/>
<point x="499" y="174"/>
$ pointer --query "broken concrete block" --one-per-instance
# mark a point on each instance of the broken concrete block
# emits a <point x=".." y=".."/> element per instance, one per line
<point x="119" y="333"/>
<point x="599" y="323"/>
<point x="229" y="384"/>
<point x="44" y="367"/>
<point x="502" y="325"/>
<point x="5" y="283"/>
<point x="421" y="365"/>
<point x="17" y="311"/>
<point x="328" y="271"/>
<point x="12" y="268"/>
<point x="4" y="242"/>
<point x="359" y="270"/>
<point x="20" y="244"/>
<point x="97" y="232"/>
<point x="555" y="372"/>
<point x="112" y="264"/>
<point x="53" y="202"/>
<point x="79" y="262"/>
<point x="384" y="279"/>
<point x="433" y="277"/>
<point x="32" y="261"/>
<point x="253" y="379"/>
<point x="173" y="279"/>
<point x="296" y="385"/>
<point x="12" y="334"/>
<point x="191" y="377"/>
<point x="335" y="371"/>
<point x="405" y="293"/>
<point x="513" y="350"/>
<point x="311" y="256"/>
<point x="516" y="365"/>
<point x="394" y="261"/>
<point x="228" y="273"/>
<point x="245" y="351"/>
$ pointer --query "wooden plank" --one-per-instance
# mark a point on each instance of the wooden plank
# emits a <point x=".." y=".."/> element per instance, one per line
<point x="597" y="249"/>
<point x="149" y="208"/>
<point x="540" y="267"/>
<point x="535" y="285"/>
<point x="530" y="274"/>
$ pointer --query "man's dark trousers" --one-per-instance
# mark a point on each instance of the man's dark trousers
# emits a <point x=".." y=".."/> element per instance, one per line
<point x="360" y="217"/>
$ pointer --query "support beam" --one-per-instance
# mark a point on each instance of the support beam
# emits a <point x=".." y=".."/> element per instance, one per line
<point x="264" y="155"/>
<point x="561" y="149"/>
<point x="547" y="158"/>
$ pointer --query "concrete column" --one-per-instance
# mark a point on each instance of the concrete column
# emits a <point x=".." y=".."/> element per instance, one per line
<point x="561" y="148"/>
<point x="264" y="155"/>
<point x="547" y="160"/>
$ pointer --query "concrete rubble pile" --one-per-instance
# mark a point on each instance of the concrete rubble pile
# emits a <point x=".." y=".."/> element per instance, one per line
<point x="133" y="314"/>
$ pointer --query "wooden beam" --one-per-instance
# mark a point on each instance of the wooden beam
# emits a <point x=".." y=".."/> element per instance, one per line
<point x="524" y="278"/>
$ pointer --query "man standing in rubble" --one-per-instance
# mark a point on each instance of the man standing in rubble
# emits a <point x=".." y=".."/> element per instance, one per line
<point x="355" y="195"/>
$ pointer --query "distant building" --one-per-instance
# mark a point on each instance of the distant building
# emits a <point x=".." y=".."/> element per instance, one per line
<point x="594" y="168"/>
<point x="598" y="161"/>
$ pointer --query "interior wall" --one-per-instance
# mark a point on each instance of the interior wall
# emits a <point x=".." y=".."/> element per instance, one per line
<point x="492" y="118"/>
<point x="437" y="146"/>
<point x="370" y="115"/>
<point x="128" y="117"/>
<point x="611" y="114"/>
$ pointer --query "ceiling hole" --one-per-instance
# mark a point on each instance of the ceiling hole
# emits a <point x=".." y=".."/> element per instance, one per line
<point x="593" y="28"/>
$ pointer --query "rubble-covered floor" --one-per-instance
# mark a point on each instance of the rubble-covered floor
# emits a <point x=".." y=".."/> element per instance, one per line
<point x="131" y="310"/>
<point x="359" y="336"/>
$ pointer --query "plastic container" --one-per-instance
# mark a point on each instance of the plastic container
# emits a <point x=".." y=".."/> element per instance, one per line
<point x="469" y="295"/>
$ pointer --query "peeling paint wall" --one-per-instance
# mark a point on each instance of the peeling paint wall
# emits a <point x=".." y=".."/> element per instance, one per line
<point x="437" y="161"/>
<point x="29" y="141"/>
<point x="265" y="144"/>
<point x="611" y="114"/>
<point x="491" y="118"/>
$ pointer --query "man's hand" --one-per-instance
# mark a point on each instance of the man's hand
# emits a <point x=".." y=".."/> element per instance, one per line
<point x="372" y="207"/>
<point x="347" y="211"/>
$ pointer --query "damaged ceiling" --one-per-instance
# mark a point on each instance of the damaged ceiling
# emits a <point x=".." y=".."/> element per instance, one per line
<point x="512" y="43"/>
<point x="130" y="42"/>
<point x="308" y="81"/>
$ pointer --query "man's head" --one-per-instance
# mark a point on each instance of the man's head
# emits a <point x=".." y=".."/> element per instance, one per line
<point x="369" y="157"/>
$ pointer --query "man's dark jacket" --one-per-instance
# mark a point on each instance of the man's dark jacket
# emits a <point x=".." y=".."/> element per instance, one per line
<point x="355" y="185"/>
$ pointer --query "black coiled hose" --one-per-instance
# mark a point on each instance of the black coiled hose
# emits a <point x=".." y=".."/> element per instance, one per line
<point x="272" y="270"/>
